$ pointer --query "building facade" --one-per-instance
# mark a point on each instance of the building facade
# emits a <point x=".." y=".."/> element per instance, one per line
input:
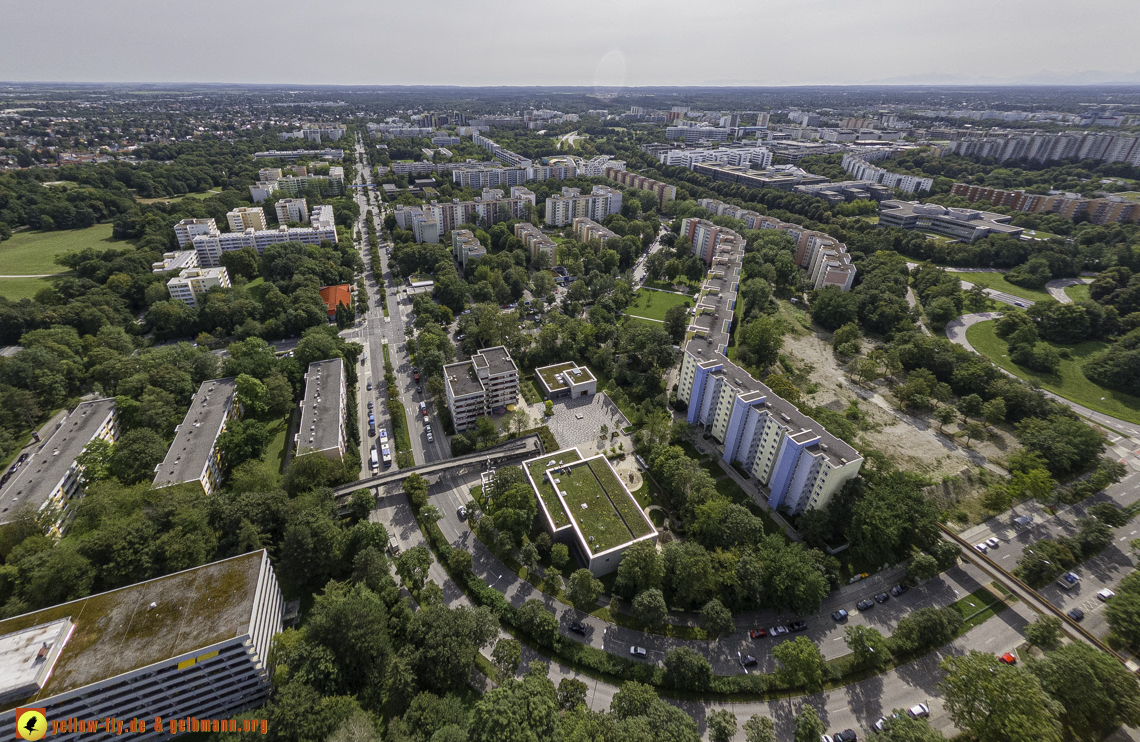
<point x="190" y="286"/>
<point x="586" y="230"/>
<point x="863" y="170"/>
<point x="246" y="217"/>
<point x="1099" y="210"/>
<point x="535" y="242"/>
<point x="209" y="243"/>
<point x="465" y="246"/>
<point x="484" y="385"/>
<point x="966" y="225"/>
<point x="572" y="203"/>
<point x="292" y="210"/>
<point x="662" y="191"/>
<point x="194" y="455"/>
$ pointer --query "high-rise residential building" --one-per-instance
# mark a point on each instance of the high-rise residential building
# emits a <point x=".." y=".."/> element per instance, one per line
<point x="1036" y="146"/>
<point x="292" y="210"/>
<point x="187" y="648"/>
<point x="175" y="261"/>
<point x="535" y="242"/>
<point x="586" y="230"/>
<point x="191" y="285"/>
<point x="50" y="480"/>
<point x="762" y="119"/>
<point x="466" y="246"/>
<point x="186" y="230"/>
<point x="194" y="454"/>
<point x="662" y="191"/>
<point x="563" y="209"/>
<point x="782" y="177"/>
<point x="1099" y="210"/>
<point x="694" y="134"/>
<point x="484" y="385"/>
<point x="760" y="157"/>
<point x="210" y="245"/>
<point x="293" y="185"/>
<point x="246" y="217"/>
<point x="489" y="177"/>
<point x="323" y="410"/>
<point x="863" y="170"/>
<point x="966" y="225"/>
<point x="293" y="154"/>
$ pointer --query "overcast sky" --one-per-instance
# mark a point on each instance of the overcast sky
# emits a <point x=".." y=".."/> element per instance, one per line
<point x="570" y="42"/>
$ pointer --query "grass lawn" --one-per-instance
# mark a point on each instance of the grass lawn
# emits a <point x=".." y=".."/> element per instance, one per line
<point x="537" y="470"/>
<point x="974" y="608"/>
<point x="23" y="288"/>
<point x="1080" y="292"/>
<point x="871" y="219"/>
<point x="594" y="510"/>
<point x="274" y="459"/>
<point x="651" y="304"/>
<point x="1069" y="382"/>
<point x="935" y="236"/>
<point x="174" y="199"/>
<point x="644" y="321"/>
<point x="33" y="252"/>
<point x="623" y="503"/>
<point x="997" y="282"/>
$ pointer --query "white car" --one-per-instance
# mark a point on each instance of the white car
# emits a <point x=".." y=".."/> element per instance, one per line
<point x="638" y="652"/>
<point x="1105" y="595"/>
<point x="383" y="435"/>
<point x="992" y="542"/>
<point x="918" y="711"/>
<point x="981" y="547"/>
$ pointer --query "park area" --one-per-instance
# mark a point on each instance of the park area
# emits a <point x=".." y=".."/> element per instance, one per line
<point x="652" y="305"/>
<point x="997" y="282"/>
<point x="607" y="516"/>
<point x="30" y="255"/>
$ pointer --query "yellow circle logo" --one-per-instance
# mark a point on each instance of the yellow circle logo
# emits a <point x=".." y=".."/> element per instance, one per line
<point x="31" y="724"/>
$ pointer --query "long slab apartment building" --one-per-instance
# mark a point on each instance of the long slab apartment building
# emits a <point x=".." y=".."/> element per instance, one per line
<point x="323" y="408"/>
<point x="194" y="454"/>
<point x="203" y="236"/>
<point x="190" y="645"/>
<point x="484" y="385"/>
<point x="430" y="222"/>
<point x="662" y="191"/>
<point x="1099" y="210"/>
<point x="50" y="479"/>
<point x="823" y="257"/>
<point x="792" y="456"/>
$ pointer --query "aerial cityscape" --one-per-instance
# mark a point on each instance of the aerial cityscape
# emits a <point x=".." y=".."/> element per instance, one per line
<point x="661" y="403"/>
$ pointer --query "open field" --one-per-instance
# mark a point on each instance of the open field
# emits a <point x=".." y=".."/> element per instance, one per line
<point x="997" y="282"/>
<point x="173" y="199"/>
<point x="1080" y="292"/>
<point x="1069" y="382"/>
<point x="545" y="491"/>
<point x="33" y="252"/>
<point x="649" y="304"/>
<point x="22" y="288"/>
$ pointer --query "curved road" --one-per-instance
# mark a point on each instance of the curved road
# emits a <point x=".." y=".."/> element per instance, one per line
<point x="1056" y="288"/>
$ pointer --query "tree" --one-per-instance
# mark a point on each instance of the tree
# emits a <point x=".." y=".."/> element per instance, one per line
<point x="559" y="556"/>
<point x="244" y="440"/>
<point x="518" y="711"/>
<point x="136" y="454"/>
<point x="1066" y="443"/>
<point x="833" y="308"/>
<point x="676" y="320"/>
<point x="997" y="702"/>
<point x="430" y="514"/>
<point x="416" y="488"/>
<point x="528" y="556"/>
<point x="460" y="561"/>
<point x="716" y="620"/>
<point x="971" y="405"/>
<point x="974" y="429"/>
<point x="921" y="567"/>
<point x="801" y="664"/>
<point x="571" y="693"/>
<point x="359" y="727"/>
<point x="1045" y="632"/>
<point x="809" y="727"/>
<point x="997" y="498"/>
<point x="1097" y="694"/>
<point x="994" y="411"/>
<point x="760" y="341"/>
<point x="945" y="415"/>
<point x="95" y="460"/>
<point x="583" y="589"/>
<point x="361" y="504"/>
<point x="722" y="725"/>
<point x="649" y="609"/>
<point x="540" y="624"/>
<point x="413" y="564"/>
<point x="686" y="669"/>
<point x="507" y="655"/>
<point x="900" y="727"/>
<point x="1123" y="616"/>
<point x="1035" y="483"/>
<point x="640" y="569"/>
<point x="925" y="629"/>
<point x="759" y="729"/>
<point x="870" y="648"/>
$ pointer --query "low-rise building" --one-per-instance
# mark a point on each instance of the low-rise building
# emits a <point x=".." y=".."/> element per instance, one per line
<point x="847" y="190"/>
<point x="183" y="648"/>
<point x="191" y="285"/>
<point x="50" y="480"/>
<point x="587" y="230"/>
<point x="246" y="217"/>
<point x="484" y="385"/>
<point x="783" y="177"/>
<point x="323" y="409"/>
<point x="292" y="210"/>
<point x="175" y="261"/>
<point x="566" y="380"/>
<point x="966" y="225"/>
<point x="535" y="242"/>
<point x="194" y="455"/>
<point x="334" y="296"/>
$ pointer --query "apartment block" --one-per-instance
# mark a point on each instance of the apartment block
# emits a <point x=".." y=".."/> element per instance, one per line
<point x="1037" y="146"/>
<point x="794" y="458"/>
<point x="484" y="385"/>
<point x="492" y="177"/>
<point x="863" y="170"/>
<point x="505" y="156"/>
<point x="465" y="246"/>
<point x="663" y="191"/>
<point x="175" y="261"/>
<point x="707" y="237"/>
<point x="194" y="454"/>
<point x="966" y="225"/>
<point x="692" y="134"/>
<point x="292" y="210"/>
<point x="536" y="242"/>
<point x="190" y="646"/>
<point x="1099" y="210"/>
<point x="209" y="245"/>
<point x="782" y="177"/>
<point x="186" y="230"/>
<point x="586" y="229"/>
<point x="323" y="410"/>
<point x="50" y="480"/>
<point x="571" y="204"/>
<point x="292" y="154"/>
<point x="191" y="285"/>
<point x="246" y="217"/>
<point x="293" y="185"/>
<point x="759" y="157"/>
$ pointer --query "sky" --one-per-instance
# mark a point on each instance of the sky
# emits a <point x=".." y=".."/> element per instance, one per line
<point x="599" y="43"/>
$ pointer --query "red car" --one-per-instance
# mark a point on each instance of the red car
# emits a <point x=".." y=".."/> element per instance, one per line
<point x="758" y="633"/>
<point x="1008" y="658"/>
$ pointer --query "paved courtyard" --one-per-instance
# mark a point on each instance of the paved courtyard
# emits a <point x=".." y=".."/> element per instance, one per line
<point x="578" y="422"/>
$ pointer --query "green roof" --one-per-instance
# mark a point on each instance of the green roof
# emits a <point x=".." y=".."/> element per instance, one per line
<point x="610" y="517"/>
<point x="537" y="468"/>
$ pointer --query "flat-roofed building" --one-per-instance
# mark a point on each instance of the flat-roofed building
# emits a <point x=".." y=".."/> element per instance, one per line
<point x="175" y="261"/>
<point x="194" y="454"/>
<point x="186" y="230"/>
<point x="484" y="385"/>
<point x="662" y="191"/>
<point x="966" y="225"/>
<point x="323" y="411"/>
<point x="190" y="286"/>
<point x="246" y="217"/>
<point x="211" y="245"/>
<point x="292" y="210"/>
<point x="50" y="480"/>
<point x="193" y="644"/>
<point x="587" y="230"/>
<point x="535" y="242"/>
<point x="783" y="177"/>
<point x="466" y="246"/>
<point x="564" y="208"/>
<point x="566" y="380"/>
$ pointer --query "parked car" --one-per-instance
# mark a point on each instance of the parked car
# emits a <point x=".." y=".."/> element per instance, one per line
<point x="1009" y="658"/>
<point x="430" y="438"/>
<point x="918" y="711"/>
<point x="461" y="513"/>
<point x="1076" y="614"/>
<point x="865" y="604"/>
<point x="1105" y="595"/>
<point x="883" y="721"/>
<point x="777" y="631"/>
<point x="747" y="660"/>
<point x="1068" y="580"/>
<point x="638" y="652"/>
<point x="370" y="405"/>
<point x="981" y="547"/>
<point x="840" y="615"/>
<point x="993" y="542"/>
<point x="797" y="626"/>
<point x="882" y="598"/>
<point x="369" y="386"/>
<point x="758" y="633"/>
<point x="898" y="590"/>
<point x="578" y="628"/>
<point x="847" y="735"/>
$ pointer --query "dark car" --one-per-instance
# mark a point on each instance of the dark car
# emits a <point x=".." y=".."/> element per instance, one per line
<point x="865" y="605"/>
<point x="369" y="387"/>
<point x="1076" y="614"/>
<point x="747" y="661"/>
<point x="370" y="405"/>
<point x="4" y="480"/>
<point x="797" y="626"/>
<point x="371" y="430"/>
<point x="898" y="590"/>
<point x="23" y="458"/>
<point x="578" y="628"/>
<point x="840" y="615"/>
<point x="847" y="735"/>
<point x="758" y="633"/>
<point x="882" y="598"/>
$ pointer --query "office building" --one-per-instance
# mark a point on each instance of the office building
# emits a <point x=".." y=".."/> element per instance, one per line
<point x="465" y="246"/>
<point x="50" y="481"/>
<point x="847" y="190"/>
<point x="175" y="261"/>
<point x="246" y="217"/>
<point x="586" y="229"/>
<point x="694" y="134"/>
<point x="535" y="242"/>
<point x="210" y="244"/>
<point x="323" y="410"/>
<point x="187" y="647"/>
<point x="194" y="454"/>
<point x="597" y="205"/>
<point x="190" y="285"/>
<point x="186" y="230"/>
<point x="292" y="210"/>
<point x="1098" y="210"/>
<point x="863" y="170"/>
<point x="292" y="154"/>
<point x="662" y="191"/>
<point x="782" y="177"/>
<point x="798" y="463"/>
<point x="758" y="157"/>
<point x="966" y="225"/>
<point x="484" y="385"/>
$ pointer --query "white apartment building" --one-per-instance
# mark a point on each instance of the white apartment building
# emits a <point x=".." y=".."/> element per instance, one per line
<point x="536" y="242"/>
<point x="586" y="230"/>
<point x="194" y="455"/>
<point x="210" y="245"/>
<point x="484" y="385"/>
<point x="189" y="647"/>
<point x="292" y="210"/>
<point x="693" y="134"/>
<point x="863" y="170"/>
<point x="597" y="205"/>
<point x="466" y="246"/>
<point x="186" y="230"/>
<point x="50" y="480"/>
<point x="246" y="217"/>
<point x="292" y="185"/>
<point x="323" y="408"/>
<point x="191" y="285"/>
<point x="175" y="261"/>
<point x="761" y="157"/>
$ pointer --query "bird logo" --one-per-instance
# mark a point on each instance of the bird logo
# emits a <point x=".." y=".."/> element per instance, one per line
<point x="31" y="724"/>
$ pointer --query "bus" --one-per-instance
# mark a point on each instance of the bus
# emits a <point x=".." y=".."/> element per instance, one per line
<point x="375" y="462"/>
<point x="386" y="455"/>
